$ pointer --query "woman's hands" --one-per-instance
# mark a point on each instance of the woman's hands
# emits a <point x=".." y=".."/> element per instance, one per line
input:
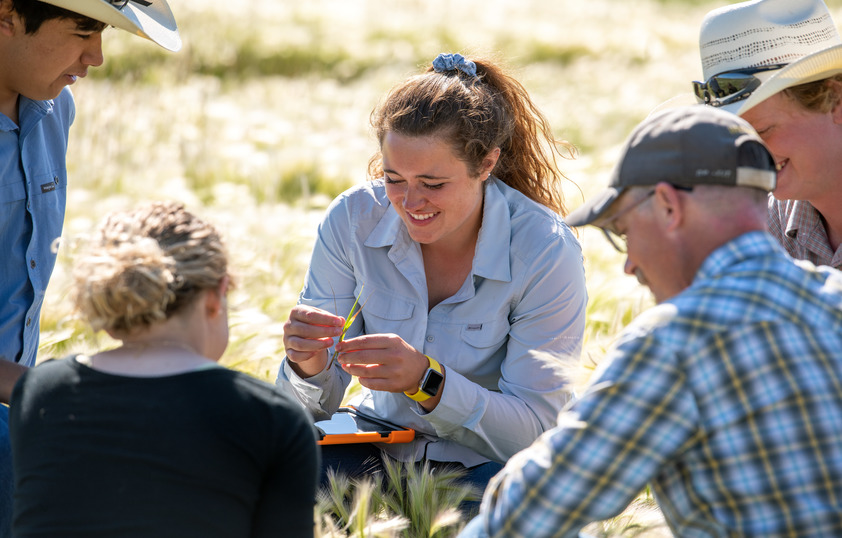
<point x="383" y="362"/>
<point x="386" y="362"/>
<point x="380" y="361"/>
<point x="308" y="333"/>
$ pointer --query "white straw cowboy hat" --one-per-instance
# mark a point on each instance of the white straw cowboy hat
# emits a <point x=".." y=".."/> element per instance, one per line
<point x="752" y="50"/>
<point x="151" y="19"/>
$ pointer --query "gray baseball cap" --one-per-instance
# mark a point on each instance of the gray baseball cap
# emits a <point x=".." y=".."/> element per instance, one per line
<point x="685" y="146"/>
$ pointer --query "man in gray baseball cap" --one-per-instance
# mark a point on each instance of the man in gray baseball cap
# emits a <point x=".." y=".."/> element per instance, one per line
<point x="725" y="396"/>
<point x="674" y="161"/>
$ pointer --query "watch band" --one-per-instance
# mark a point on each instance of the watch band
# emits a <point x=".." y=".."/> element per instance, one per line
<point x="433" y="370"/>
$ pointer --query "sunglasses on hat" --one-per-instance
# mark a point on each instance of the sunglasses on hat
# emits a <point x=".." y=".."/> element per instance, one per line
<point x="120" y="4"/>
<point x="731" y="86"/>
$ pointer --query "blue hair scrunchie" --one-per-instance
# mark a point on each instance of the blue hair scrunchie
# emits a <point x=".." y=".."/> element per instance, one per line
<point x="449" y="62"/>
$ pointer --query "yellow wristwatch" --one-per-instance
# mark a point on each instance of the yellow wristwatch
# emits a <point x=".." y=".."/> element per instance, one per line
<point x="430" y="383"/>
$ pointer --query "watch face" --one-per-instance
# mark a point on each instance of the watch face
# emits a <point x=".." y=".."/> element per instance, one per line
<point x="432" y="382"/>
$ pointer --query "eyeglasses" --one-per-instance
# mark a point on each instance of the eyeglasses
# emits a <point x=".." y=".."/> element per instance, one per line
<point x="618" y="240"/>
<point x="731" y="86"/>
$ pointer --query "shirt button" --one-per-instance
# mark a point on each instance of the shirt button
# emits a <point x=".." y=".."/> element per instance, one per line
<point x="32" y="263"/>
<point x="55" y="180"/>
<point x="28" y="321"/>
<point x="431" y="338"/>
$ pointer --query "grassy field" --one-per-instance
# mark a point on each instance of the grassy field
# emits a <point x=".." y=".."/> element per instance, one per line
<point x="263" y="117"/>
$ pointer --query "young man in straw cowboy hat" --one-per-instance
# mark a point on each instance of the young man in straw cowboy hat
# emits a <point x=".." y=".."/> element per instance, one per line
<point x="45" y="46"/>
<point x="778" y="64"/>
<point x="725" y="397"/>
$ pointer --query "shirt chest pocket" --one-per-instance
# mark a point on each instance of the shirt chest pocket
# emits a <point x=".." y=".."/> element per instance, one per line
<point x="48" y="187"/>
<point x="486" y="334"/>
<point x="480" y="348"/>
<point x="386" y="313"/>
<point x="13" y="191"/>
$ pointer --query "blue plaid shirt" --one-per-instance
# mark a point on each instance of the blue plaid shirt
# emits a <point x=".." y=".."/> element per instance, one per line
<point x="727" y="398"/>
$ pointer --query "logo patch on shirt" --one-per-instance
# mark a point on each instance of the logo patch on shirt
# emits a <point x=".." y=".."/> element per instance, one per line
<point x="475" y="327"/>
<point x="48" y="187"/>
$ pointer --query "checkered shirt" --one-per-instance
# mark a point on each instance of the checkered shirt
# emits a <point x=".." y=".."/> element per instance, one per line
<point x="799" y="228"/>
<point x="726" y="398"/>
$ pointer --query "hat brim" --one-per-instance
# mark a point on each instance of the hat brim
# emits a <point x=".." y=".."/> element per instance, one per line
<point x="154" y="21"/>
<point x="594" y="210"/>
<point x="817" y="66"/>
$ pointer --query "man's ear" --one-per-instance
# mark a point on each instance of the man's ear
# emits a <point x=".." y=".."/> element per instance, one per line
<point x="8" y="18"/>
<point x="669" y="206"/>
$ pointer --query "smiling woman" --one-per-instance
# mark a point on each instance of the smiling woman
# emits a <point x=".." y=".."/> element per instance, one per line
<point x="468" y="270"/>
<point x="428" y="185"/>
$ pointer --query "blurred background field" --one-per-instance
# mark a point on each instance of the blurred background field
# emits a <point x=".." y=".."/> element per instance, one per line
<point x="262" y="118"/>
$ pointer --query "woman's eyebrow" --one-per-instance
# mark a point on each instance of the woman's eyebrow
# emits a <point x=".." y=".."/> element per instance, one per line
<point x="423" y="176"/>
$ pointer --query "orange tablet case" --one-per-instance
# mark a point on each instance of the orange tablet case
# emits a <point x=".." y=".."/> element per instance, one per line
<point x="369" y="430"/>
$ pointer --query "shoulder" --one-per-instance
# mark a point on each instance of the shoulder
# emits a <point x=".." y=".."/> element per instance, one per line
<point x="745" y="282"/>
<point x="534" y="227"/>
<point x="359" y="202"/>
<point x="64" y="106"/>
<point x="52" y="367"/>
<point x="257" y="392"/>
<point x="44" y="377"/>
<point x="356" y="212"/>
<point x="65" y="98"/>
<point x="368" y="195"/>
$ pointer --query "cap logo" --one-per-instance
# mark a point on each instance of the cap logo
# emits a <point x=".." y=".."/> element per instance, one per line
<point x="719" y="173"/>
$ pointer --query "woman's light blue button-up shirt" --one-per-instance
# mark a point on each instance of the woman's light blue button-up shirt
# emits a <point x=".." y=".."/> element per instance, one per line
<point x="525" y="295"/>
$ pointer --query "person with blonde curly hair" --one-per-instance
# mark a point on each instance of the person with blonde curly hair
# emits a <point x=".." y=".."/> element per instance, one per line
<point x="154" y="438"/>
<point x="465" y="271"/>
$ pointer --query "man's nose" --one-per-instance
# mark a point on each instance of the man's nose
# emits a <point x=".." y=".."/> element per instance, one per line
<point x="92" y="55"/>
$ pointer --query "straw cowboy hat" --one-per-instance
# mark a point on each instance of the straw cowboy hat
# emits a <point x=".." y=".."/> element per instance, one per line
<point x="752" y="50"/>
<point x="151" y="19"/>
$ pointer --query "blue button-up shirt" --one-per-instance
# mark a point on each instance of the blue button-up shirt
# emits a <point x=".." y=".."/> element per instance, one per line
<point x="525" y="295"/>
<point x="33" y="181"/>
<point x="727" y="398"/>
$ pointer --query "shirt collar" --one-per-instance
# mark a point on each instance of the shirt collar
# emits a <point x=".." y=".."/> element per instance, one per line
<point x="30" y="112"/>
<point x="493" y="244"/>
<point x="803" y="215"/>
<point x="749" y="245"/>
<point x="495" y="236"/>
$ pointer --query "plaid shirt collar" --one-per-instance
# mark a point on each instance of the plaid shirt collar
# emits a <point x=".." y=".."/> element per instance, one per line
<point x="806" y="227"/>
